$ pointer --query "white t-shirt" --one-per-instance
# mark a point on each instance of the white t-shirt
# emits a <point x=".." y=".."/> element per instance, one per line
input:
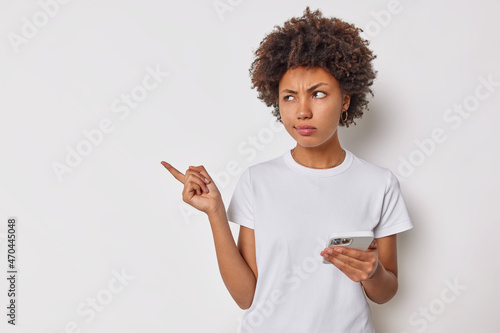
<point x="293" y="209"/>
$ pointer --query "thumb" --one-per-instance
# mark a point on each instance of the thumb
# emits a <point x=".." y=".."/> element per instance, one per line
<point x="202" y="171"/>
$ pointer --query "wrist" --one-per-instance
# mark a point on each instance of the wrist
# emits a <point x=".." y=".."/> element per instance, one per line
<point x="220" y="210"/>
<point x="377" y="273"/>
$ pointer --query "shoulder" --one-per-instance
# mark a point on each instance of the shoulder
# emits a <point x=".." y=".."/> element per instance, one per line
<point x="372" y="173"/>
<point x="257" y="173"/>
<point x="268" y="167"/>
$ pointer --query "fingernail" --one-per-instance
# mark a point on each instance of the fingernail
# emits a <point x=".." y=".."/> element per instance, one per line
<point x="207" y="181"/>
<point x="337" y="249"/>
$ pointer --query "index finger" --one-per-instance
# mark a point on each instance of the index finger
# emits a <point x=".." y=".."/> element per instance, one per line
<point x="353" y="253"/>
<point x="176" y="173"/>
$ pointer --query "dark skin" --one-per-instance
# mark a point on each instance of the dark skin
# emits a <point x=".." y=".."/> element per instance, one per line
<point x="376" y="268"/>
<point x="322" y="107"/>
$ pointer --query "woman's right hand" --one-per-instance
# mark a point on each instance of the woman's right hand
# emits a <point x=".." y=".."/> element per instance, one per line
<point x="202" y="195"/>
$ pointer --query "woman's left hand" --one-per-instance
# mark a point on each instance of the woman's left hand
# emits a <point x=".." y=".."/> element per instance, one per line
<point x="356" y="264"/>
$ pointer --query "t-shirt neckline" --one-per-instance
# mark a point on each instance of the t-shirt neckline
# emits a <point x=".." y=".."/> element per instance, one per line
<point x="346" y="163"/>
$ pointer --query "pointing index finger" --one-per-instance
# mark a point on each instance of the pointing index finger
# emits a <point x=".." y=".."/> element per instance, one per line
<point x="176" y="173"/>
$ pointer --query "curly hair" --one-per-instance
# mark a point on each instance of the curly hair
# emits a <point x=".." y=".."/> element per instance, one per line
<point x="312" y="40"/>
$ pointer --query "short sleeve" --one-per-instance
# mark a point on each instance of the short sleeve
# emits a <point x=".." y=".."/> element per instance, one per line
<point x="240" y="210"/>
<point x="394" y="216"/>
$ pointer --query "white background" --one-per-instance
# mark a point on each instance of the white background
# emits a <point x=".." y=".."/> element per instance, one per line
<point x="119" y="211"/>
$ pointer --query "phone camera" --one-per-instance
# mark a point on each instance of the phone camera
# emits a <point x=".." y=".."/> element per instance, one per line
<point x="336" y="241"/>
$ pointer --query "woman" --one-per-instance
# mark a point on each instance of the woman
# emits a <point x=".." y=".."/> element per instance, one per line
<point x="316" y="72"/>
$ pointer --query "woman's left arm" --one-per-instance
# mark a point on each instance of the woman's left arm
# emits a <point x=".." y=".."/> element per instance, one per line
<point x="383" y="285"/>
<point x="376" y="268"/>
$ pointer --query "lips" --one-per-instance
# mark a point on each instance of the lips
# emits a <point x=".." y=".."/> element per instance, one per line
<point x="305" y="129"/>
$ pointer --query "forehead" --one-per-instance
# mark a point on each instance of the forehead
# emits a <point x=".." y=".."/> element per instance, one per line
<point x="301" y="76"/>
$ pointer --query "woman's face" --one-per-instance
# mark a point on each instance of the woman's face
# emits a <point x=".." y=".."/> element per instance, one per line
<point x="311" y="97"/>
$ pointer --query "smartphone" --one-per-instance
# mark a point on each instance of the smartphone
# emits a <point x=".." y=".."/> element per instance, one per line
<point x="359" y="240"/>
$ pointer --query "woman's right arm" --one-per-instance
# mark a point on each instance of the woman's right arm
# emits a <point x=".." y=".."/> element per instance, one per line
<point x="237" y="264"/>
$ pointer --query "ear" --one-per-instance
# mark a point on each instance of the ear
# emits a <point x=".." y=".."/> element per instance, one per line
<point x="346" y="102"/>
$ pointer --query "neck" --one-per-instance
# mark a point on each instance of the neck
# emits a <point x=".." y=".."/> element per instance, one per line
<point x="319" y="157"/>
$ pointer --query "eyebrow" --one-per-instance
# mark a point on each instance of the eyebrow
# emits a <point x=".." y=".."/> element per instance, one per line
<point x="308" y="90"/>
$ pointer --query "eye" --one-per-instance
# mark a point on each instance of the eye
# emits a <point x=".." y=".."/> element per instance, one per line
<point x="285" y="98"/>
<point x="320" y="93"/>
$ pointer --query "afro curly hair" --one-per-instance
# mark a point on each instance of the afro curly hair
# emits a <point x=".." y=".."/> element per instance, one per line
<point x="312" y="40"/>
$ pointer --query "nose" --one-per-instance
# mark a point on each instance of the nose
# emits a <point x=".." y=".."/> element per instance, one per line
<point x="304" y="109"/>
